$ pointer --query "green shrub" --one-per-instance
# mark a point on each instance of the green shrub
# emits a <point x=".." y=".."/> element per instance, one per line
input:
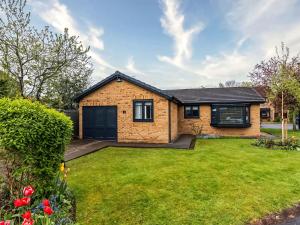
<point x="34" y="138"/>
<point x="289" y="144"/>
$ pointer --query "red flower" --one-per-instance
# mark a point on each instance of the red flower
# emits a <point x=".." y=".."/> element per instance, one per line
<point x="27" y="215"/>
<point x="7" y="222"/>
<point x="28" y="221"/>
<point x="46" y="202"/>
<point x="48" y="210"/>
<point x="28" y="191"/>
<point x="18" y="203"/>
<point x="25" y="201"/>
<point x="21" y="202"/>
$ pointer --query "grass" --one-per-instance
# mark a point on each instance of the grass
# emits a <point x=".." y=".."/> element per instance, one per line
<point x="277" y="132"/>
<point x="223" y="181"/>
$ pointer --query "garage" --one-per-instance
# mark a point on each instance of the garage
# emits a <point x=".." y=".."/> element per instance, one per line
<point x="100" y="122"/>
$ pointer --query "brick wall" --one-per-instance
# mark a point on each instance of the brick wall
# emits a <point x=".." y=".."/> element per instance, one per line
<point x="122" y="94"/>
<point x="185" y="125"/>
<point x="174" y="121"/>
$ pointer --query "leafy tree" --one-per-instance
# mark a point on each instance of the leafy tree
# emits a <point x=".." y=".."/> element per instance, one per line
<point x="38" y="58"/>
<point x="61" y="91"/>
<point x="281" y="77"/>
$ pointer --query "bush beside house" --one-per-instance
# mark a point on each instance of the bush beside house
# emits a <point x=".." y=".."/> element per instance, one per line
<point x="32" y="142"/>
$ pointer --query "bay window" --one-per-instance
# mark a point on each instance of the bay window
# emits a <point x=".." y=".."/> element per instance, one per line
<point x="230" y="115"/>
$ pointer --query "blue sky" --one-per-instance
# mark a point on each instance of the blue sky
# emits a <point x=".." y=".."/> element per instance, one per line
<point x="176" y="43"/>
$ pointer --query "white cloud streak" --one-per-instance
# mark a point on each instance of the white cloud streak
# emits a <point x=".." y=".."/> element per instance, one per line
<point x="131" y="67"/>
<point x="59" y="17"/>
<point x="173" y="24"/>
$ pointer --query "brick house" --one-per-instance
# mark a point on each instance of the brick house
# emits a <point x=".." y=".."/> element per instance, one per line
<point x="124" y="109"/>
<point x="267" y="109"/>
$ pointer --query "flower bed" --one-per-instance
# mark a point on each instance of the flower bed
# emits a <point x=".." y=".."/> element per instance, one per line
<point x="289" y="144"/>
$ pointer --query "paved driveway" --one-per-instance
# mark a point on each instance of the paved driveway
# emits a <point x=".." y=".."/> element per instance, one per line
<point x="275" y="125"/>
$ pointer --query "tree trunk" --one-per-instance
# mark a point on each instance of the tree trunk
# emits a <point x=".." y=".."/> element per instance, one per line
<point x="282" y="119"/>
<point x="299" y="120"/>
<point x="294" y="120"/>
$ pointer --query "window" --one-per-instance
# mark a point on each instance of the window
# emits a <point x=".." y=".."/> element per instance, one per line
<point x="230" y="115"/>
<point x="265" y="112"/>
<point x="143" y="110"/>
<point x="191" y="111"/>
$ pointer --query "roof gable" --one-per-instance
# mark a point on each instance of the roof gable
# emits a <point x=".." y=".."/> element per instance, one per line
<point x="118" y="75"/>
<point x="186" y="96"/>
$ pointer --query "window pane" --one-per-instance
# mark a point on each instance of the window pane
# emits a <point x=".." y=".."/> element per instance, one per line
<point x="231" y="115"/>
<point x="188" y="111"/>
<point x="195" y="111"/>
<point x="247" y="119"/>
<point x="148" y="110"/>
<point x="138" y="111"/>
<point x="265" y="112"/>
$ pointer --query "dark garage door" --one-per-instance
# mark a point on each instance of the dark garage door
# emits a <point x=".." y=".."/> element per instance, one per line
<point x="100" y="122"/>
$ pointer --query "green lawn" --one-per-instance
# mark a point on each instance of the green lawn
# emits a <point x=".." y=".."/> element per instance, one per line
<point x="277" y="132"/>
<point x="223" y="181"/>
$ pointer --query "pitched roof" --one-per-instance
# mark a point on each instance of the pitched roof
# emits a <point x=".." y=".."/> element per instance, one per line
<point x="199" y="95"/>
<point x="262" y="91"/>
<point x="118" y="75"/>
<point x="217" y="95"/>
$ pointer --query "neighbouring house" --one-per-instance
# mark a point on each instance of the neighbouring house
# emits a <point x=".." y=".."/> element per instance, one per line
<point x="269" y="111"/>
<point x="125" y="109"/>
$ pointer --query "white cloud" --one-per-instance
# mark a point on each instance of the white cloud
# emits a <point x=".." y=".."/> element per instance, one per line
<point x="173" y="24"/>
<point x="225" y="66"/>
<point x="266" y="23"/>
<point x="262" y="25"/>
<point x="58" y="16"/>
<point x="130" y="67"/>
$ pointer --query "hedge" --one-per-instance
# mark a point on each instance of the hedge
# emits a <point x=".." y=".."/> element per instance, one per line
<point x="36" y="136"/>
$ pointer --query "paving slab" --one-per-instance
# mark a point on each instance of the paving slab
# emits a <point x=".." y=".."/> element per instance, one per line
<point x="79" y="148"/>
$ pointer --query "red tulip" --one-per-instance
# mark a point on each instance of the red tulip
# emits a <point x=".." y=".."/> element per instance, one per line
<point x="18" y="203"/>
<point x="25" y="201"/>
<point x="46" y="202"/>
<point x="21" y="202"/>
<point x="27" y="215"/>
<point x="7" y="222"/>
<point x="28" y="191"/>
<point x="48" y="210"/>
<point x="28" y="221"/>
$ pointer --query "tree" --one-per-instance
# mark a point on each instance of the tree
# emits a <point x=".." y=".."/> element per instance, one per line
<point x="281" y="77"/>
<point x="36" y="58"/>
<point x="61" y="91"/>
<point x="233" y="83"/>
<point x="229" y="83"/>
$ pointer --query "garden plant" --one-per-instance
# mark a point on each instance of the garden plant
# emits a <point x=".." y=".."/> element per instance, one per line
<point x="32" y="144"/>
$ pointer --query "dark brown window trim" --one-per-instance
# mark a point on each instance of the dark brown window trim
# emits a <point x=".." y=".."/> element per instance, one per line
<point x="189" y="116"/>
<point x="143" y="101"/>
